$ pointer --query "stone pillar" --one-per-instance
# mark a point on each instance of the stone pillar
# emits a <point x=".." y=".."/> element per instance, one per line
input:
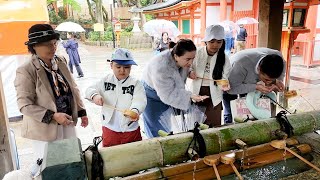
<point x="270" y="23"/>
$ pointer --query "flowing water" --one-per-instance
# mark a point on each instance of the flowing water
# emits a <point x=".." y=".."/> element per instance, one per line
<point x="274" y="171"/>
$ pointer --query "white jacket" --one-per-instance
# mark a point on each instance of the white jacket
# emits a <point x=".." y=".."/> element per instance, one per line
<point x="164" y="76"/>
<point x="123" y="94"/>
<point x="199" y="65"/>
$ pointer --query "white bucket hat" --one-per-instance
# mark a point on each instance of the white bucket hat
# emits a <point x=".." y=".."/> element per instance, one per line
<point x="214" y="32"/>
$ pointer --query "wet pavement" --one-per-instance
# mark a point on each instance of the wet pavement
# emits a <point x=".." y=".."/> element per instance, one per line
<point x="95" y="66"/>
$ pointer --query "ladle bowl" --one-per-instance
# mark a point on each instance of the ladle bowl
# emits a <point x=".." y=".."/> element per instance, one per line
<point x="229" y="158"/>
<point x="213" y="160"/>
<point x="281" y="144"/>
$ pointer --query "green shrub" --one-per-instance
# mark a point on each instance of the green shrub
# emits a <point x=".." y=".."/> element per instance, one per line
<point x="54" y="18"/>
<point x="106" y="35"/>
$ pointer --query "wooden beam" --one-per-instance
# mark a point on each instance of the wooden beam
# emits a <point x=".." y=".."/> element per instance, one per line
<point x="6" y="162"/>
<point x="270" y="23"/>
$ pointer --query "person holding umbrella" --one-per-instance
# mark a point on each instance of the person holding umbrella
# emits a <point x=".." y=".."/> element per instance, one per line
<point x="241" y="38"/>
<point x="164" y="42"/>
<point x="74" y="59"/>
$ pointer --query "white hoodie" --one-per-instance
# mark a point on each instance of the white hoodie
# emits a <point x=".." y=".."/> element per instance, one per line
<point x="124" y="94"/>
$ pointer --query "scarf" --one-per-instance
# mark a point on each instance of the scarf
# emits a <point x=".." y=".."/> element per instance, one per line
<point x="55" y="75"/>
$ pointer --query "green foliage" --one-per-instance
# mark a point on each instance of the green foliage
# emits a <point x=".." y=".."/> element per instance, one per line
<point x="106" y="35"/>
<point x="62" y="13"/>
<point x="128" y="28"/>
<point x="73" y="3"/>
<point x="54" y="19"/>
<point x="145" y="2"/>
<point x="149" y="17"/>
<point x="85" y="21"/>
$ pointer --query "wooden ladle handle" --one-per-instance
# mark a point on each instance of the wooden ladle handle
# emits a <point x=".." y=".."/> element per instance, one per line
<point x="216" y="172"/>
<point x="302" y="159"/>
<point x="236" y="171"/>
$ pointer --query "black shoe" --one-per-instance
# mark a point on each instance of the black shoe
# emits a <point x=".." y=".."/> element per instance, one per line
<point x="80" y="76"/>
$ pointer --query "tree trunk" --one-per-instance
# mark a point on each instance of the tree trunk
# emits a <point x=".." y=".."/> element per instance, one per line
<point x="105" y="12"/>
<point x="142" y="16"/>
<point x="119" y="2"/>
<point x="99" y="15"/>
<point x="90" y="12"/>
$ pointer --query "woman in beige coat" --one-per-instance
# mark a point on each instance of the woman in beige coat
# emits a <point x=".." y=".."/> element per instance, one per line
<point x="47" y="95"/>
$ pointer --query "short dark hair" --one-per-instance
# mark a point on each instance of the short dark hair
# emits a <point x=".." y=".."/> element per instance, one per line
<point x="183" y="46"/>
<point x="171" y="44"/>
<point x="272" y="65"/>
<point x="164" y="33"/>
<point x="30" y="49"/>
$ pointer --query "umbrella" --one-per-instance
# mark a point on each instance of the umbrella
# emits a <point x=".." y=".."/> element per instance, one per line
<point x="157" y="26"/>
<point x="247" y="20"/>
<point x="70" y="27"/>
<point x="230" y="27"/>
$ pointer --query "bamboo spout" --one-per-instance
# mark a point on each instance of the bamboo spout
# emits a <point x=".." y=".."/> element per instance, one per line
<point x="281" y="144"/>
<point x="240" y="143"/>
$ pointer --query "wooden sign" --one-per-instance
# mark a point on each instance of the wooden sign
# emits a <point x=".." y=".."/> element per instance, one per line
<point x="117" y="27"/>
<point x="98" y="27"/>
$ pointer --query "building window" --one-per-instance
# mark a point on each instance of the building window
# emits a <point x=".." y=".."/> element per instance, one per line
<point x="298" y="17"/>
<point x="185" y="26"/>
<point x="175" y="22"/>
<point x="285" y="17"/>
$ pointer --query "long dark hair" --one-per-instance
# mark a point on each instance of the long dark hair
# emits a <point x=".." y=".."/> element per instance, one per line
<point x="221" y="59"/>
<point x="182" y="46"/>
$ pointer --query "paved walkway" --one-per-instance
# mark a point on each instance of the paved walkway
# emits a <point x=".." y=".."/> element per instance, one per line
<point x="95" y="65"/>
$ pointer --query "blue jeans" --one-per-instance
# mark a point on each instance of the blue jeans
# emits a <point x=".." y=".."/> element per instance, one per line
<point x="229" y="45"/>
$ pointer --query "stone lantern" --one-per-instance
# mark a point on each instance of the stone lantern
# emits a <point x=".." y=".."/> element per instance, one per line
<point x="135" y="18"/>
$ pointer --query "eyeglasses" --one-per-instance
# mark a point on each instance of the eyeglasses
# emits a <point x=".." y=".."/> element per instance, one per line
<point x="52" y="43"/>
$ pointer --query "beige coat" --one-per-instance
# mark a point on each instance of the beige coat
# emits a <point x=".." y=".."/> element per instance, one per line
<point x="35" y="97"/>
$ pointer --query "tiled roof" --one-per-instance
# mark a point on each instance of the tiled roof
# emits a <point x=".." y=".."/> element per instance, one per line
<point x="161" y="5"/>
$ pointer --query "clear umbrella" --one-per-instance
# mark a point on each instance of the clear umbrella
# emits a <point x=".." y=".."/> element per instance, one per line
<point x="229" y="25"/>
<point x="157" y="26"/>
<point x="70" y="27"/>
<point x="247" y="20"/>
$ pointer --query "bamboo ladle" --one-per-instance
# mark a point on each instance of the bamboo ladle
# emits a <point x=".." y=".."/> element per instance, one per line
<point x="281" y="144"/>
<point x="127" y="112"/>
<point x="213" y="160"/>
<point x="229" y="159"/>
<point x="290" y="94"/>
<point x="221" y="82"/>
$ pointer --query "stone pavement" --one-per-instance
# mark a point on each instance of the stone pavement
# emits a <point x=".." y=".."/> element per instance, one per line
<point x="95" y="66"/>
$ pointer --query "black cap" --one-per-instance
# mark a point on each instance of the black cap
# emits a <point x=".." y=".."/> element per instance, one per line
<point x="41" y="33"/>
